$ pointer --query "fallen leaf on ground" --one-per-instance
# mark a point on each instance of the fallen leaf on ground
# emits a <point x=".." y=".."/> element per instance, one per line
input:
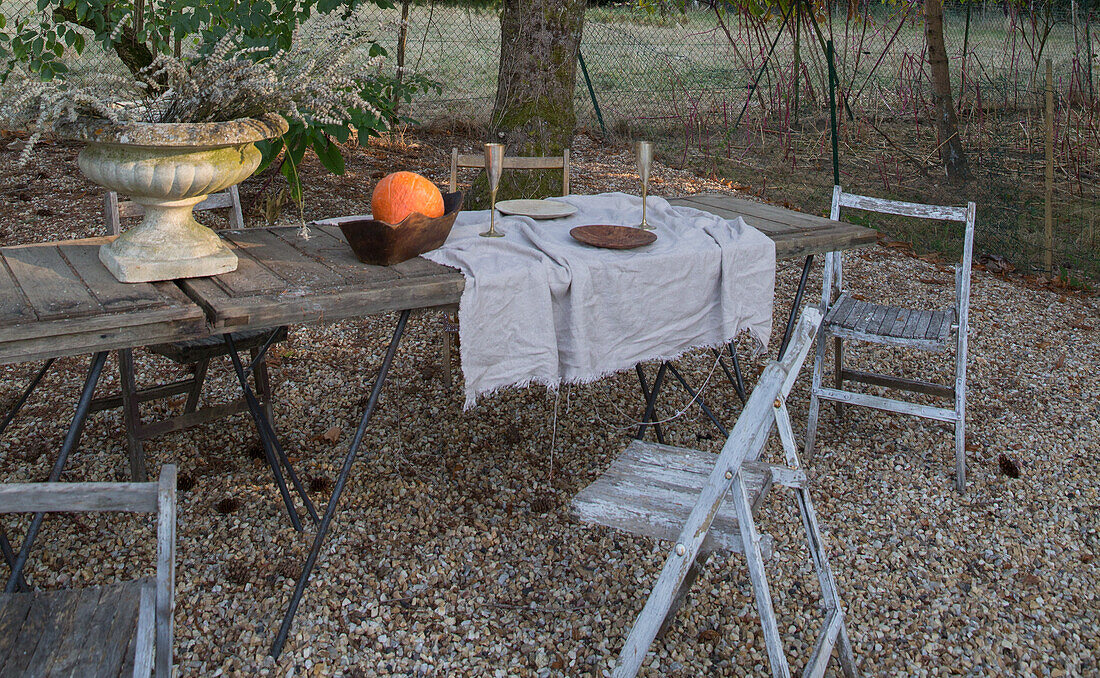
<point x="1008" y="465"/>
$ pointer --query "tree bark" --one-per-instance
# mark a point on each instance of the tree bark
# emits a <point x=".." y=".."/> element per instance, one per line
<point x="135" y="55"/>
<point x="952" y="152"/>
<point x="533" y="113"/>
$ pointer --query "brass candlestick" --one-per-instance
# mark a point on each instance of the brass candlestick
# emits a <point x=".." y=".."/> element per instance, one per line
<point x="494" y="165"/>
<point x="643" y="153"/>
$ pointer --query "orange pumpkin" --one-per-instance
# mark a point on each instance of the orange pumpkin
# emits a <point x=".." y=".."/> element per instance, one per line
<point x="400" y="194"/>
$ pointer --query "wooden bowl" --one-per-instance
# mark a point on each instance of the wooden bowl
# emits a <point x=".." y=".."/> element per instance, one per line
<point x="380" y="244"/>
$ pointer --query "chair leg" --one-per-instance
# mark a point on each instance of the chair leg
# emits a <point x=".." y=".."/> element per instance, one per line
<point x="750" y="538"/>
<point x="196" y="388"/>
<point x="960" y="455"/>
<point x="838" y="380"/>
<point x="815" y="401"/>
<point x="131" y="416"/>
<point x="960" y="411"/>
<point x="681" y="594"/>
<point x="847" y="656"/>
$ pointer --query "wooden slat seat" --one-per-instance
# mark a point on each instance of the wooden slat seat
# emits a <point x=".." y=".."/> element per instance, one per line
<point x="85" y="632"/>
<point x="650" y="488"/>
<point x="110" y="630"/>
<point x="865" y="321"/>
<point x="186" y="352"/>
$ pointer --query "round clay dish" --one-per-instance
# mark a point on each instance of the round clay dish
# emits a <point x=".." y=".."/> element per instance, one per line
<point x="613" y="237"/>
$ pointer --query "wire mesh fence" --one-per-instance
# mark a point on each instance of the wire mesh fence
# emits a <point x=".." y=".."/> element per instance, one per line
<point x="747" y="97"/>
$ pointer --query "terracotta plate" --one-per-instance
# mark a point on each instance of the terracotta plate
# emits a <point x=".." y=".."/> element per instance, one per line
<point x="613" y="237"/>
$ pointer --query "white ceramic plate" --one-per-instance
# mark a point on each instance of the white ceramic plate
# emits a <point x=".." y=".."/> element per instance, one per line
<point x="536" y="209"/>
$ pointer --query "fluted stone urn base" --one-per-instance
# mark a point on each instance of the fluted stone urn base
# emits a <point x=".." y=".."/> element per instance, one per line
<point x="168" y="168"/>
<point x="168" y="244"/>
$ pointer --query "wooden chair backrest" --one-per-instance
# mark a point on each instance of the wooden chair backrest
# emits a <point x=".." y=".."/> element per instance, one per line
<point x="512" y="162"/>
<point x="966" y="215"/>
<point x="158" y="497"/>
<point x="114" y="210"/>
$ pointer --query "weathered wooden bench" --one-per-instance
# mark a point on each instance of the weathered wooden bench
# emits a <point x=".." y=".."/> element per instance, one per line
<point x="685" y="496"/>
<point x="113" y="630"/>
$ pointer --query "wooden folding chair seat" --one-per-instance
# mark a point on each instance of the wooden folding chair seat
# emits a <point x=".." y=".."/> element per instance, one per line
<point x="862" y="320"/>
<point x="685" y="496"/>
<point x="477" y="161"/>
<point x="650" y="489"/>
<point x="851" y="319"/>
<point x="122" y="629"/>
<point x="197" y="353"/>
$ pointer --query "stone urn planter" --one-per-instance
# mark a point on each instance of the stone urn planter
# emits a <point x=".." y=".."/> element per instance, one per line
<point x="168" y="168"/>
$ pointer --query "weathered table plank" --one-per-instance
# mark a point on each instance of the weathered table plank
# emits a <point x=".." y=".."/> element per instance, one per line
<point x="13" y="304"/>
<point x="57" y="299"/>
<point x="314" y="280"/>
<point x="795" y="234"/>
<point x="51" y="287"/>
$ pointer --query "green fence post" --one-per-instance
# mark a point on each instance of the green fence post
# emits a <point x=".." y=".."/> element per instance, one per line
<point x="832" y="110"/>
<point x="591" y="92"/>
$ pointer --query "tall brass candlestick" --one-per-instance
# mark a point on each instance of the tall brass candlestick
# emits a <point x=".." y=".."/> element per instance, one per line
<point x="643" y="153"/>
<point x="494" y="165"/>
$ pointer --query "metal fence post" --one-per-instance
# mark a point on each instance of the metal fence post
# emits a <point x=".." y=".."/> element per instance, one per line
<point x="591" y="91"/>
<point x="1048" y="221"/>
<point x="829" y="56"/>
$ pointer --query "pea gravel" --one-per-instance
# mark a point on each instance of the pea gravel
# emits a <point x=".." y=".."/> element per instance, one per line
<point x="454" y="553"/>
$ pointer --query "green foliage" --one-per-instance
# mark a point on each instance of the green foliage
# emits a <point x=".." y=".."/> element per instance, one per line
<point x="39" y="42"/>
<point x="290" y="150"/>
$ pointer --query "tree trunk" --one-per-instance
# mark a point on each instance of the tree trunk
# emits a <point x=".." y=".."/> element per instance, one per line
<point x="402" y="39"/>
<point x="947" y="124"/>
<point x="134" y="55"/>
<point x="533" y="113"/>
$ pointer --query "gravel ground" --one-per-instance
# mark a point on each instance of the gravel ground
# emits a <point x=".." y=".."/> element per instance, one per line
<point x="454" y="553"/>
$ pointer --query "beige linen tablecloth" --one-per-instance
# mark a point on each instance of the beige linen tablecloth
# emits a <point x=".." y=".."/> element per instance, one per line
<point x="541" y="308"/>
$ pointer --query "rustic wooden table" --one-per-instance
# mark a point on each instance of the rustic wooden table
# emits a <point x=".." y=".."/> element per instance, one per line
<point x="795" y="234"/>
<point x="284" y="279"/>
<point x="56" y="299"/>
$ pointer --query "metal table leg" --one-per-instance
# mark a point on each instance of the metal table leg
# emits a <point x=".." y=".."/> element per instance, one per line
<point x="26" y="394"/>
<point x="797" y="302"/>
<point x="5" y="547"/>
<point x="645" y="394"/>
<point x="334" y="500"/>
<point x="651" y="401"/>
<point x="71" y="439"/>
<point x="273" y="451"/>
<point x="735" y="376"/>
<point x="698" y="398"/>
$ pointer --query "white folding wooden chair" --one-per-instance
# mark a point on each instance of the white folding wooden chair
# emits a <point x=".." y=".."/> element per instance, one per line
<point x="477" y="160"/>
<point x="116" y="629"/>
<point x="930" y="330"/>
<point x="675" y="493"/>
